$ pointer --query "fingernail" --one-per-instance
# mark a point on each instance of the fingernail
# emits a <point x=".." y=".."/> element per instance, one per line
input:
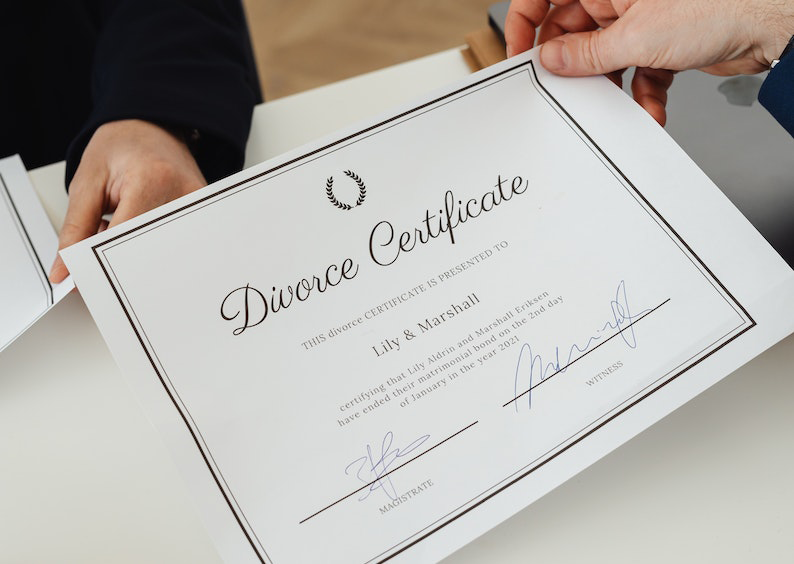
<point x="509" y="51"/>
<point x="53" y="269"/>
<point x="553" y="55"/>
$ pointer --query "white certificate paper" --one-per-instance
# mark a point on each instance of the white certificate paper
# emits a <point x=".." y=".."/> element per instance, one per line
<point x="379" y="346"/>
<point x="28" y="245"/>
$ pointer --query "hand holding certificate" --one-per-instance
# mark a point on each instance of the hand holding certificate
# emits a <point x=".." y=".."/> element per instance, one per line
<point x="411" y="330"/>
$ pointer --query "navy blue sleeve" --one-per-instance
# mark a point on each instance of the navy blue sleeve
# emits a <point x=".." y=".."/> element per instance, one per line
<point x="184" y="64"/>
<point x="777" y="93"/>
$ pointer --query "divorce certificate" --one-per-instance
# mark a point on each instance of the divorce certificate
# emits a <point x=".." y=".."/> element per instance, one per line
<point x="378" y="346"/>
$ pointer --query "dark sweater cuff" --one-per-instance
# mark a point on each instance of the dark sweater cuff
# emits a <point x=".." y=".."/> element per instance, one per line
<point x="777" y="93"/>
<point x="223" y="125"/>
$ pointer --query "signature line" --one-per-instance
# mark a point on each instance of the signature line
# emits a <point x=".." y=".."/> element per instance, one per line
<point x="564" y="368"/>
<point x="470" y="425"/>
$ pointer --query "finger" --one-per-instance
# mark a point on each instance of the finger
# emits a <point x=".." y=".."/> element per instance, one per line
<point x="156" y="184"/>
<point x="522" y="19"/>
<point x="588" y="53"/>
<point x="649" y="88"/>
<point x="569" y="18"/>
<point x="132" y="204"/>
<point x="58" y="271"/>
<point x="606" y="12"/>
<point x="83" y="214"/>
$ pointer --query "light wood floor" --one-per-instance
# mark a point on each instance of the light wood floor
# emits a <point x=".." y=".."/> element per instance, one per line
<point x="302" y="44"/>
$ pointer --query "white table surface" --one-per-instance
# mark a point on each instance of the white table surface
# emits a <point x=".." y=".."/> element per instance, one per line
<point x="85" y="478"/>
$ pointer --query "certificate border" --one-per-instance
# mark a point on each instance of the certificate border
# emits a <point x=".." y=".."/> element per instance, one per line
<point x="33" y="254"/>
<point x="100" y="249"/>
<point x="30" y="247"/>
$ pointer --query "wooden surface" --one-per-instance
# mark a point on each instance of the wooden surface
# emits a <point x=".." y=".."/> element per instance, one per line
<point x="302" y="44"/>
<point x="484" y="49"/>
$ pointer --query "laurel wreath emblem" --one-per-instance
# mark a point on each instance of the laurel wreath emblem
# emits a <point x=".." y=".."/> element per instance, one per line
<point x="362" y="191"/>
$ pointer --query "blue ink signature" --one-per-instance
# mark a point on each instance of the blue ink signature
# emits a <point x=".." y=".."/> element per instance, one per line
<point x="372" y="469"/>
<point x="621" y="320"/>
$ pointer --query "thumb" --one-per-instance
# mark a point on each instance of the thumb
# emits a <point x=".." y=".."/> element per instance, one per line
<point x="84" y="214"/>
<point x="587" y="53"/>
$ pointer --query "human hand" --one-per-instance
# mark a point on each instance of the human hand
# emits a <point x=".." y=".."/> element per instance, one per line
<point x="657" y="36"/>
<point x="127" y="168"/>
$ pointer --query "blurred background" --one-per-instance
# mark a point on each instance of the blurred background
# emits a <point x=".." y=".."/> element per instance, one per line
<point x="302" y="44"/>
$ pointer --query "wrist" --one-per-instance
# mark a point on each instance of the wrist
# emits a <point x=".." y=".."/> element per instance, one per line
<point x="786" y="51"/>
<point x="776" y="32"/>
